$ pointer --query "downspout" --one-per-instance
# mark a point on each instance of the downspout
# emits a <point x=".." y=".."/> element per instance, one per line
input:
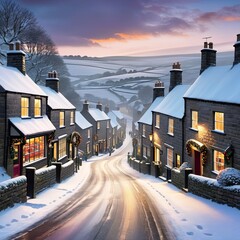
<point x="183" y="130"/>
<point x="5" y="134"/>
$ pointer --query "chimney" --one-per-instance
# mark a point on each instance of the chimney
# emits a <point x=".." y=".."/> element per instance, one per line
<point x="52" y="81"/>
<point x="208" y="56"/>
<point x="106" y="109"/>
<point x="175" y="76"/>
<point x="85" y="106"/>
<point x="158" y="90"/>
<point x="16" y="57"/>
<point x="237" y="51"/>
<point x="99" y="106"/>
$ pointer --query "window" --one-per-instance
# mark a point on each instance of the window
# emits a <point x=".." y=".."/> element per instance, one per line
<point x="144" y="130"/>
<point x="170" y="157"/>
<point x="144" y="151"/>
<point x="55" y="152"/>
<point x="70" y="156"/>
<point x="98" y="125"/>
<point x="71" y="118"/>
<point x="157" y="121"/>
<point x="33" y="149"/>
<point x="88" y="147"/>
<point x="218" y="161"/>
<point x="61" y="119"/>
<point x="107" y="124"/>
<point x="178" y="161"/>
<point x="157" y="156"/>
<point x="219" y="121"/>
<point x="24" y="107"/>
<point x="194" y="120"/>
<point x="170" y="126"/>
<point x="88" y="133"/>
<point x="37" y="107"/>
<point x="62" y="148"/>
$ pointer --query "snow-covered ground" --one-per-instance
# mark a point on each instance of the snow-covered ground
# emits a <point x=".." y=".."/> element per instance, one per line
<point x="189" y="216"/>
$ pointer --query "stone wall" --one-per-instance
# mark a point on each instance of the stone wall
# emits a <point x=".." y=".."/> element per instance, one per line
<point x="180" y="178"/>
<point x="13" y="191"/>
<point x="45" y="178"/>
<point x="210" y="189"/>
<point x="67" y="170"/>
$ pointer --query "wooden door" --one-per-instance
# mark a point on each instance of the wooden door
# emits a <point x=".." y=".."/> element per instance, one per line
<point x="197" y="163"/>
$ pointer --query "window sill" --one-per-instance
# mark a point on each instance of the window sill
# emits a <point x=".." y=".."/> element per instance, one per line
<point x="38" y="116"/>
<point x="157" y="127"/>
<point x="62" y="126"/>
<point x="170" y="134"/>
<point x="28" y="117"/>
<point x="218" y="132"/>
<point x="71" y="124"/>
<point x="215" y="172"/>
<point x="193" y="129"/>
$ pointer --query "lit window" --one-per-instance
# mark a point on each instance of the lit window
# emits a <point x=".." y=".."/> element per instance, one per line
<point x="219" y="121"/>
<point x="88" y="147"/>
<point x="61" y="119"/>
<point x="170" y="157"/>
<point x="144" y="130"/>
<point x="37" y="107"/>
<point x="24" y="107"/>
<point x="33" y="149"/>
<point x="194" y="120"/>
<point x="62" y="148"/>
<point x="178" y="161"/>
<point x="71" y="118"/>
<point x="98" y="125"/>
<point x="89" y="133"/>
<point x="107" y="124"/>
<point x="218" y="161"/>
<point x="170" y="126"/>
<point x="157" y="121"/>
<point x="157" y="154"/>
<point x="70" y="156"/>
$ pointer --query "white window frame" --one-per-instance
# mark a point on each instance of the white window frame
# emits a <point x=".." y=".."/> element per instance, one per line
<point x="37" y="107"/>
<point x="25" y="102"/>
<point x="218" y="161"/>
<point x="170" y="157"/>
<point x="171" y="126"/>
<point x="194" y="120"/>
<point x="219" y="121"/>
<point x="61" y="119"/>
<point x="71" y="117"/>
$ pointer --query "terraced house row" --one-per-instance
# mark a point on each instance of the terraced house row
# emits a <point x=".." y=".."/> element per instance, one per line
<point x="38" y="125"/>
<point x="198" y="123"/>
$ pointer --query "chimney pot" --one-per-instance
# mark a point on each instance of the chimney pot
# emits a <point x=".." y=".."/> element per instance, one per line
<point x="205" y="45"/>
<point x="18" y="45"/>
<point x="11" y="46"/>
<point x="210" y="45"/>
<point x="238" y="37"/>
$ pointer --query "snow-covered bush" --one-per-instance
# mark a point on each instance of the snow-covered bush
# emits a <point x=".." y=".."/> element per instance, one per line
<point x="229" y="177"/>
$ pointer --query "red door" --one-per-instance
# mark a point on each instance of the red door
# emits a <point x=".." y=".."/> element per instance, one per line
<point x="16" y="161"/>
<point x="197" y="163"/>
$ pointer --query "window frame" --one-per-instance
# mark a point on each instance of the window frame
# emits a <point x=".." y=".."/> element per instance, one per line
<point x="194" y="119"/>
<point x="72" y="118"/>
<point x="157" y="121"/>
<point x="98" y="125"/>
<point x="25" y="109"/>
<point x="39" y="108"/>
<point x="144" y="130"/>
<point x="171" y="126"/>
<point x="219" y="155"/>
<point x="219" y="122"/>
<point x="62" y="148"/>
<point x="61" y="119"/>
<point x="169" y="157"/>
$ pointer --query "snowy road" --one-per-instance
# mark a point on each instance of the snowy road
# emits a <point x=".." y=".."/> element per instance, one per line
<point x="111" y="205"/>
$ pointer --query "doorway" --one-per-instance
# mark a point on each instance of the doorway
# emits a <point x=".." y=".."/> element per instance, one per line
<point x="197" y="163"/>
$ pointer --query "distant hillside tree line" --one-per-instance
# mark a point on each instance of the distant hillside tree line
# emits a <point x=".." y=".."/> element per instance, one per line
<point x="19" y="24"/>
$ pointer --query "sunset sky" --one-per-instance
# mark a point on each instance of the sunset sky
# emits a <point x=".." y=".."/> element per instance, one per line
<point x="137" y="27"/>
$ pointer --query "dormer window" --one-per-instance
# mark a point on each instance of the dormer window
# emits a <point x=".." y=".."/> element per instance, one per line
<point x="37" y="107"/>
<point x="24" y="107"/>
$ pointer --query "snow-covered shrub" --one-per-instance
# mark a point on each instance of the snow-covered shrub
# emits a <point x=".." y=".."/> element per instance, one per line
<point x="229" y="177"/>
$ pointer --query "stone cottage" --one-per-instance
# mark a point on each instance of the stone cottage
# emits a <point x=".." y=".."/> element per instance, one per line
<point x="25" y="128"/>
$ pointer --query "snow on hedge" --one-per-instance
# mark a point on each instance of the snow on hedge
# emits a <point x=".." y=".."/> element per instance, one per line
<point x="12" y="182"/>
<point x="229" y="177"/>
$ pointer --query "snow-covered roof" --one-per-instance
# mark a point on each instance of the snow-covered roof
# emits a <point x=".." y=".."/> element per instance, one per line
<point x="220" y="84"/>
<point x="81" y="121"/>
<point x="118" y="114"/>
<point x="147" y="116"/>
<point x="56" y="100"/>
<point x="173" y="103"/>
<point x="32" y="126"/>
<point x="113" y="119"/>
<point x="98" y="115"/>
<point x="12" y="80"/>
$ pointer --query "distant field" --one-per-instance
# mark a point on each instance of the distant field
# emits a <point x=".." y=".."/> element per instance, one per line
<point x="119" y="78"/>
